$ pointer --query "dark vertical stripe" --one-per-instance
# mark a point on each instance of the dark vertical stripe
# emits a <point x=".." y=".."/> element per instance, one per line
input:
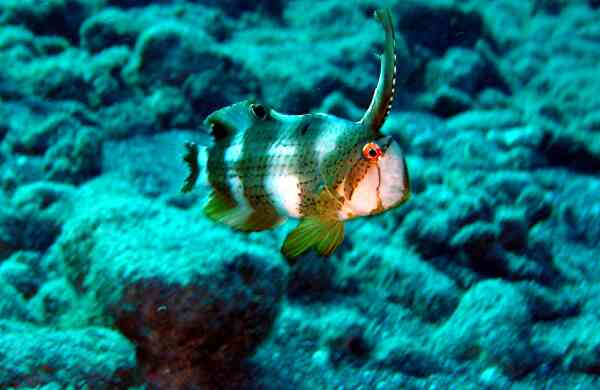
<point x="252" y="166"/>
<point x="217" y="170"/>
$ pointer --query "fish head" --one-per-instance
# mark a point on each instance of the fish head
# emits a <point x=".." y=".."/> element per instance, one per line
<point x="366" y="171"/>
<point x="372" y="177"/>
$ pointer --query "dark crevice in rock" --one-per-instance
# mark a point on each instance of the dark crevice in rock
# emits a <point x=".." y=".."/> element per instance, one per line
<point x="446" y="27"/>
<point x="136" y="3"/>
<point x="564" y="151"/>
<point x="62" y="18"/>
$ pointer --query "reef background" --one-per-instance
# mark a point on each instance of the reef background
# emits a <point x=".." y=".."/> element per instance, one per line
<point x="489" y="278"/>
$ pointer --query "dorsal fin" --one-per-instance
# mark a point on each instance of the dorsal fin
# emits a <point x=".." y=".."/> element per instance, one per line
<point x="381" y="103"/>
<point x="191" y="159"/>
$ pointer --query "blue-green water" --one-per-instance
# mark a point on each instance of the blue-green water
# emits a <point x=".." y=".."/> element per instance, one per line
<point x="488" y="278"/>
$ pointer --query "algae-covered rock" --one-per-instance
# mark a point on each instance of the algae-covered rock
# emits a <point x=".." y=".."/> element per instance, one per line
<point x="172" y="108"/>
<point x="345" y="338"/>
<point x="513" y="229"/>
<point x="23" y="229"/>
<point x="546" y="304"/>
<point x="152" y="164"/>
<point x="449" y="27"/>
<point x="169" y="52"/>
<point x="475" y="239"/>
<point x="237" y="7"/>
<point x="234" y="7"/>
<point x="55" y="303"/>
<point x="53" y="77"/>
<point x="104" y="75"/>
<point x="44" y="199"/>
<point x="431" y="294"/>
<point x="68" y="75"/>
<point x="127" y="118"/>
<point x="576" y="345"/>
<point x="311" y="279"/>
<point x="505" y="21"/>
<point x="38" y="139"/>
<point x="490" y="323"/>
<point x="11" y="36"/>
<point x="56" y="141"/>
<point x="110" y="27"/>
<point x="485" y="119"/>
<point x="447" y="102"/>
<point x="11" y="228"/>
<point x="432" y="234"/>
<point x="486" y="278"/>
<point x="20" y="230"/>
<point x="75" y="158"/>
<point x="32" y="220"/>
<point x="12" y="303"/>
<point x="20" y="276"/>
<point x="343" y="50"/>
<point x="175" y="54"/>
<point x="122" y="25"/>
<point x="100" y="358"/>
<point x="223" y="83"/>
<point x="53" y="17"/>
<point x="455" y="80"/>
<point x="168" y="282"/>
<point x="574" y="148"/>
<point x="405" y="355"/>
<point x="460" y="68"/>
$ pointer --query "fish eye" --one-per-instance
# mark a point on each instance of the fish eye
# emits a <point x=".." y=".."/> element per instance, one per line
<point x="259" y="111"/>
<point x="372" y="151"/>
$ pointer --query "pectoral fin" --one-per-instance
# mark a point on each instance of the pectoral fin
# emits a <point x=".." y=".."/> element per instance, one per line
<point x="322" y="235"/>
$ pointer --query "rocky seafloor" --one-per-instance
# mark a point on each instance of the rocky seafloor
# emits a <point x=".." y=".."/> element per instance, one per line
<point x="489" y="278"/>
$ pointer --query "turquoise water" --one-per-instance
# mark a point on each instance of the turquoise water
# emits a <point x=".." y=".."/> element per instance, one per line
<point x="487" y="278"/>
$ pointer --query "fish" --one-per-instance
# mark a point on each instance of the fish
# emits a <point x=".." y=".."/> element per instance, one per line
<point x="265" y="166"/>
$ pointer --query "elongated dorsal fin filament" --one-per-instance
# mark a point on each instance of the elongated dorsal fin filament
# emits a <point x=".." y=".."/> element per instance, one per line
<point x="381" y="103"/>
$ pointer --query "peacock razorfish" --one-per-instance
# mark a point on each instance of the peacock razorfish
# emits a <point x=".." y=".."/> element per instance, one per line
<point x="265" y="166"/>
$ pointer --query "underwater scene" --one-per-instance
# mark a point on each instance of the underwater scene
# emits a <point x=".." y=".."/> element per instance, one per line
<point x="271" y="194"/>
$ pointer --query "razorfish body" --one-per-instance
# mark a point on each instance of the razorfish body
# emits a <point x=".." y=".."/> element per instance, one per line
<point x="265" y="166"/>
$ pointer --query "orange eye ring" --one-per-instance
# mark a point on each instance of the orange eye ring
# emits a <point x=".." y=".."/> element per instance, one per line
<point x="371" y="151"/>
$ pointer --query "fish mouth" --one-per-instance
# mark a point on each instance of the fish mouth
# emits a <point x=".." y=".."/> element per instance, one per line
<point x="394" y="179"/>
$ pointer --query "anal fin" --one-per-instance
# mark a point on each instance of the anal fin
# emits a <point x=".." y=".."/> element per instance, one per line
<point x="221" y="208"/>
<point x="322" y="235"/>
